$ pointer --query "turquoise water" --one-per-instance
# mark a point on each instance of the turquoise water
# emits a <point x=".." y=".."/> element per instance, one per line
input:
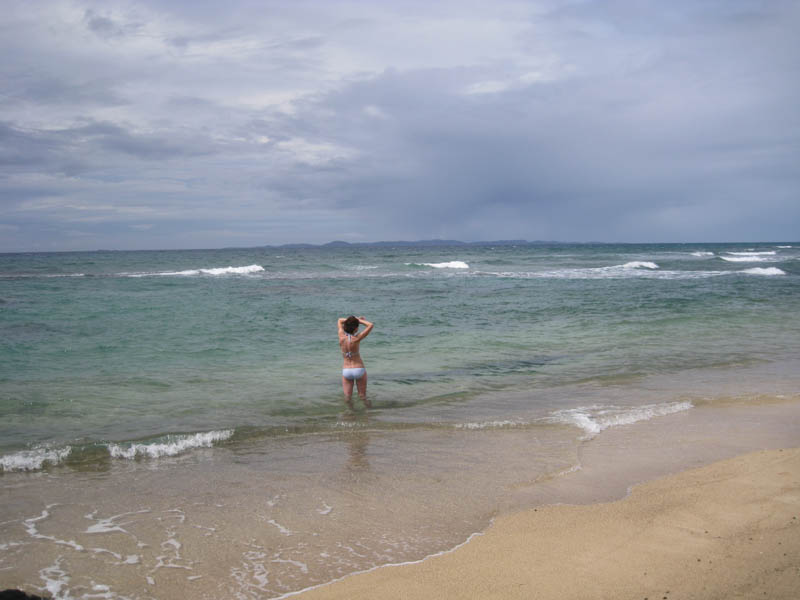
<point x="100" y="351"/>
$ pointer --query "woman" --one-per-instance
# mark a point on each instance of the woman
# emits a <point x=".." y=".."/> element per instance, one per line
<point x="353" y="370"/>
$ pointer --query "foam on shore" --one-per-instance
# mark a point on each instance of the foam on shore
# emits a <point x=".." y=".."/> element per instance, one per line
<point x="598" y="417"/>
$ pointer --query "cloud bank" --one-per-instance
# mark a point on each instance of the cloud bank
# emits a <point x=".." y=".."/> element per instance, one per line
<point x="201" y="124"/>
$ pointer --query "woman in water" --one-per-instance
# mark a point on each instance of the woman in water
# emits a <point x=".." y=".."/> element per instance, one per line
<point x="353" y="370"/>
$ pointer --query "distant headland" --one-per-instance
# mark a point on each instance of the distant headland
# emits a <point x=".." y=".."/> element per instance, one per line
<point x="341" y="244"/>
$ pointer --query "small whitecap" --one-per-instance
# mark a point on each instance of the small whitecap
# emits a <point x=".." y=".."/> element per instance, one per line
<point x="640" y="264"/>
<point x="764" y="271"/>
<point x="745" y="258"/>
<point x="453" y="264"/>
<point x="233" y="270"/>
<point x="215" y="271"/>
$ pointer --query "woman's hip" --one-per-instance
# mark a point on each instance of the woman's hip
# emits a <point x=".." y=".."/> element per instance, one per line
<point x="354" y="373"/>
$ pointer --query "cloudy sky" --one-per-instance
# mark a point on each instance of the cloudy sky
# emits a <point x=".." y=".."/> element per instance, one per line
<point x="203" y="123"/>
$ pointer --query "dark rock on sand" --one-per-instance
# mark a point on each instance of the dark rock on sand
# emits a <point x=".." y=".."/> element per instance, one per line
<point x="19" y="595"/>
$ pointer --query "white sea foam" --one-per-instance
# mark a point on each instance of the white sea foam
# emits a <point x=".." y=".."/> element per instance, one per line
<point x="488" y="425"/>
<point x="701" y="253"/>
<point x="233" y="270"/>
<point x="32" y="460"/>
<point x="637" y="268"/>
<point x="453" y="264"/>
<point x="219" y="271"/>
<point x="785" y="246"/>
<point x="747" y="258"/>
<point x="598" y="417"/>
<point x="281" y="528"/>
<point x="108" y="524"/>
<point x="55" y="580"/>
<point x="247" y="270"/>
<point x="617" y="272"/>
<point x="639" y="264"/>
<point x="33" y="531"/>
<point x="754" y="253"/>
<point x="296" y="563"/>
<point x="175" y="444"/>
<point x="764" y="271"/>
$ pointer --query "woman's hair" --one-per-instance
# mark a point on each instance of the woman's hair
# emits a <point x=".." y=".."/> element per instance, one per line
<point x="350" y="325"/>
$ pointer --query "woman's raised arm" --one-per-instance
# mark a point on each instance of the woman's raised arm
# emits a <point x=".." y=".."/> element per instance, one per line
<point x="368" y="327"/>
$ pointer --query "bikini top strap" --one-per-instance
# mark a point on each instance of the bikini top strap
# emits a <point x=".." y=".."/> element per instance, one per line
<point x="349" y="353"/>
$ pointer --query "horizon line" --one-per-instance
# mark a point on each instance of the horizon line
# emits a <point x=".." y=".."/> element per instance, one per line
<point x="424" y="242"/>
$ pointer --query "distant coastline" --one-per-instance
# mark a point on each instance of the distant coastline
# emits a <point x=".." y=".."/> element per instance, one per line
<point x="431" y="243"/>
<point x="437" y="242"/>
<point x="341" y="244"/>
<point x="333" y="244"/>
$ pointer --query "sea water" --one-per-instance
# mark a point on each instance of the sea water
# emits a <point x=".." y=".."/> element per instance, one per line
<point x="185" y="409"/>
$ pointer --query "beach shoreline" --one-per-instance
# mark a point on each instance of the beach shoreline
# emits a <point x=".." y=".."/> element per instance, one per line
<point x="270" y="527"/>
<point x="727" y="529"/>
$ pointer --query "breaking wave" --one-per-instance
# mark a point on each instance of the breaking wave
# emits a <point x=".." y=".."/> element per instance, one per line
<point x="172" y="445"/>
<point x="637" y="268"/>
<point x="33" y="460"/>
<point x="746" y="258"/>
<point x="764" y="271"/>
<point x="169" y="445"/>
<point x="598" y="417"/>
<point x="248" y="270"/>
<point x="453" y="264"/>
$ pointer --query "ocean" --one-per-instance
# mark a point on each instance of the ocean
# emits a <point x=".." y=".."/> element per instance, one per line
<point x="174" y="420"/>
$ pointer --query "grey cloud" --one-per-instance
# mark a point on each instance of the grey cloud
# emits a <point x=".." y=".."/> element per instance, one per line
<point x="76" y="150"/>
<point x="210" y="35"/>
<point x="605" y="121"/>
<point x="106" y="27"/>
<point x="46" y="89"/>
<point x="25" y="150"/>
<point x="100" y="25"/>
<point x="557" y="151"/>
<point x="110" y="136"/>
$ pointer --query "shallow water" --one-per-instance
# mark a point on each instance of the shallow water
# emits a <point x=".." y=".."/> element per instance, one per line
<point x="173" y="421"/>
<point x="115" y="347"/>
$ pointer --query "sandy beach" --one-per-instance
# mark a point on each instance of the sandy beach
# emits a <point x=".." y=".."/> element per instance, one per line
<point x="727" y="530"/>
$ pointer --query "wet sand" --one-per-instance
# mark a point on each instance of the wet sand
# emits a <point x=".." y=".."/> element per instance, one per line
<point x="269" y="516"/>
<point x="730" y="529"/>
